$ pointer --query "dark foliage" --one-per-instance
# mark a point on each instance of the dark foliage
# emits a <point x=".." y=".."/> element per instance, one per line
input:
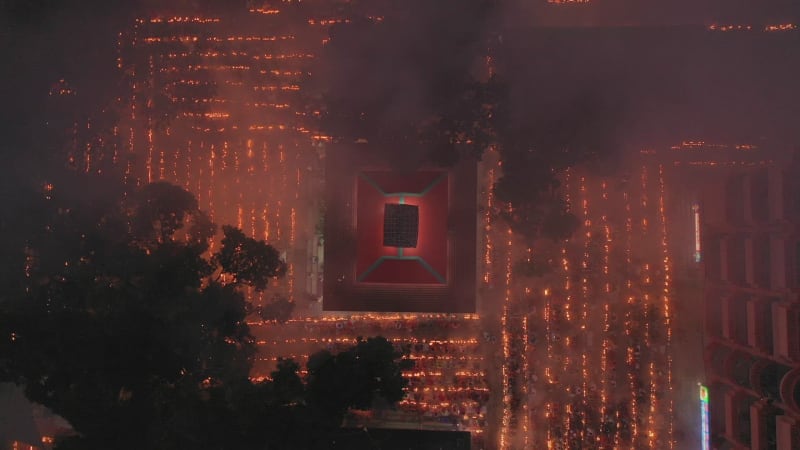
<point x="114" y="316"/>
<point x="279" y="310"/>
<point x="248" y="260"/>
<point x="356" y="377"/>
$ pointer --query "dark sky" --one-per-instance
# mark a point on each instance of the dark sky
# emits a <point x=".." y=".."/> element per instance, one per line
<point x="664" y="84"/>
<point x="660" y="12"/>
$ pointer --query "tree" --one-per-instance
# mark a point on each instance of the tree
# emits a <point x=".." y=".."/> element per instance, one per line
<point x="356" y="377"/>
<point x="278" y="310"/>
<point x="287" y="385"/>
<point x="157" y="211"/>
<point x="248" y="260"/>
<point x="115" y="317"/>
<point x="115" y="321"/>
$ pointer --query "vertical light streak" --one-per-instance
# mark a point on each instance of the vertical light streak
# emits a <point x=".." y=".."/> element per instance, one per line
<point x="211" y="175"/>
<point x="644" y="198"/>
<point x="224" y="158"/>
<point x="131" y="134"/>
<point x="649" y="383"/>
<point x="705" y="433"/>
<point x="188" y="175"/>
<point x="235" y="161"/>
<point x="606" y="334"/>
<point x="253" y="220"/>
<point x="149" y="151"/>
<point x="73" y="149"/>
<point x="487" y="255"/>
<point x="278" y="233"/>
<point x="697" y="249"/>
<point x="548" y="370"/>
<point x="525" y="377"/>
<point x="506" y="341"/>
<point x="565" y="260"/>
<point x="667" y="305"/>
<point x="175" y="161"/>
<point x="87" y="158"/>
<point x="200" y="175"/>
<point x="115" y="153"/>
<point x="88" y="150"/>
<point x="292" y="227"/>
<point x="585" y="308"/>
<point x="265" y="172"/>
<point x="564" y="354"/>
<point x="629" y="318"/>
<point x="150" y="145"/>
<point x="297" y="185"/>
<point x="283" y="177"/>
<point x="265" y="219"/>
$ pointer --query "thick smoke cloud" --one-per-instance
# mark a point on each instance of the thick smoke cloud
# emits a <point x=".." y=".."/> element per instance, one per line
<point x="643" y="87"/>
<point x="603" y="13"/>
<point x="663" y="85"/>
<point x="401" y="66"/>
<point x="616" y="87"/>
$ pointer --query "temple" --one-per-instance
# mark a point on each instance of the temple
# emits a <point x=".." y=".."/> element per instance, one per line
<point x="398" y="241"/>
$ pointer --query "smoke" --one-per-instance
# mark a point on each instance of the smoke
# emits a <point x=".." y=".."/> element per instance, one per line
<point x="599" y="91"/>
<point x="604" y="13"/>
<point x="388" y="72"/>
<point x="634" y="88"/>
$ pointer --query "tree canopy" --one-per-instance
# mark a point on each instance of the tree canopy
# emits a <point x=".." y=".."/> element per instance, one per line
<point x="279" y="309"/>
<point x="115" y="315"/>
<point x="355" y="378"/>
<point x="117" y="307"/>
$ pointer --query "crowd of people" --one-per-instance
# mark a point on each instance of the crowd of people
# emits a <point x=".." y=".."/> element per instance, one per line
<point x="582" y="352"/>
<point x="587" y="359"/>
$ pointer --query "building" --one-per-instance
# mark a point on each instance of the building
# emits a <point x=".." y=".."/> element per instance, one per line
<point x="398" y="241"/>
<point x="751" y="258"/>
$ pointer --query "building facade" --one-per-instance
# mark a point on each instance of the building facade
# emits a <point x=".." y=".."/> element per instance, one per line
<point x="751" y="258"/>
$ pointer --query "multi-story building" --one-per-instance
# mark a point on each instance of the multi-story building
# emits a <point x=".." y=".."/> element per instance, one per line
<point x="751" y="257"/>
